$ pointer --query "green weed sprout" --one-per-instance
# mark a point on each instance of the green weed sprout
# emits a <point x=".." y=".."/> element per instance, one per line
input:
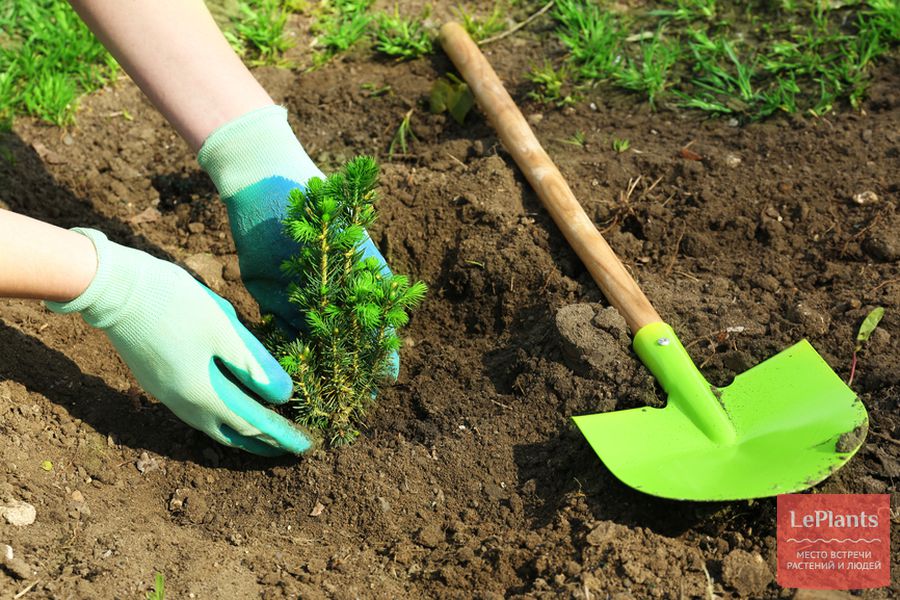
<point x="261" y="26"/>
<point x="48" y="59"/>
<point x="869" y="324"/>
<point x="342" y="24"/>
<point x="400" y="37"/>
<point x="451" y="94"/>
<point x="353" y="309"/>
<point x="481" y="28"/>
<point x="593" y="37"/>
<point x="402" y="136"/>
<point x="688" y="10"/>
<point x="550" y="84"/>
<point x="577" y="139"/>
<point x="651" y="74"/>
<point x="159" y="588"/>
<point x="620" y="145"/>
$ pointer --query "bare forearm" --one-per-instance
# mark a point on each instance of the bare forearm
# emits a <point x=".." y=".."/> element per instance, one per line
<point x="175" y="52"/>
<point x="42" y="261"/>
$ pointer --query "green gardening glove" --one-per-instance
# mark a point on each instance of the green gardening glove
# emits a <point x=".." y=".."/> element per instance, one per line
<point x="186" y="347"/>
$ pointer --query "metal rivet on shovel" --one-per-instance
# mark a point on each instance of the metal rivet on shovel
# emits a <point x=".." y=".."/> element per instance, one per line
<point x="782" y="426"/>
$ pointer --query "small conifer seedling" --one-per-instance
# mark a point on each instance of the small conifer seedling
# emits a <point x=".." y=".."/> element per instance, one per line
<point x="353" y="306"/>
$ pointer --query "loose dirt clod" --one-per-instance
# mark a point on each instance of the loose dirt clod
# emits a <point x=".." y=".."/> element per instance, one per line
<point x="746" y="573"/>
<point x="850" y="440"/>
<point x="592" y="338"/>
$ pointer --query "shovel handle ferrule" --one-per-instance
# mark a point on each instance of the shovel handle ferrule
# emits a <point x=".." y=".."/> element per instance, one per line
<point x="661" y="351"/>
<point x="519" y="140"/>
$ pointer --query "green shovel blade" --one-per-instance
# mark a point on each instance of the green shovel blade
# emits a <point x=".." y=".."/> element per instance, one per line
<point x="782" y="426"/>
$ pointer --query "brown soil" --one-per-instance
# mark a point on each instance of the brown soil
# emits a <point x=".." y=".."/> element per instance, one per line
<point x="470" y="480"/>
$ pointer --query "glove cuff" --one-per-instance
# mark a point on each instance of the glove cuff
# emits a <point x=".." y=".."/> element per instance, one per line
<point x="253" y="147"/>
<point x="106" y="296"/>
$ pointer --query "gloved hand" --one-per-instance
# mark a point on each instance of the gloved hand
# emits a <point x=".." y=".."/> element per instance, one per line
<point x="255" y="161"/>
<point x="186" y="347"/>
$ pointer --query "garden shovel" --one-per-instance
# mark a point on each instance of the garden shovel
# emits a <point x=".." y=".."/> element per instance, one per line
<point x="782" y="426"/>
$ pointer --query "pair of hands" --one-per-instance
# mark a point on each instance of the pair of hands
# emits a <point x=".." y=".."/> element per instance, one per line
<point x="185" y="345"/>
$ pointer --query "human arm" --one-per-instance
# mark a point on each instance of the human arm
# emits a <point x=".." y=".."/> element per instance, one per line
<point x="177" y="55"/>
<point x="182" y="342"/>
<point x="175" y="52"/>
<point x="41" y="261"/>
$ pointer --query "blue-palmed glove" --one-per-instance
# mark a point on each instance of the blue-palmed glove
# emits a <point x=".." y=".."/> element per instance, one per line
<point x="255" y="161"/>
<point x="185" y="346"/>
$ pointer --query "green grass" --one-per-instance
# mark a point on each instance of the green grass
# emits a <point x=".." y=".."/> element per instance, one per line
<point x="340" y="25"/>
<point x="402" y="137"/>
<point x="159" y="588"/>
<point x="620" y="145"/>
<point x="481" y="27"/>
<point x="649" y="74"/>
<point x="744" y="59"/>
<point x="552" y="85"/>
<point x="686" y="10"/>
<point x="403" y="38"/>
<point x="258" y="33"/>
<point x="748" y="60"/>
<point x="593" y="37"/>
<point x="578" y="139"/>
<point x="48" y="59"/>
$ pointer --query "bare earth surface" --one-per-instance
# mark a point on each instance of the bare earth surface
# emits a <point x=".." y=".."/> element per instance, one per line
<point x="470" y="481"/>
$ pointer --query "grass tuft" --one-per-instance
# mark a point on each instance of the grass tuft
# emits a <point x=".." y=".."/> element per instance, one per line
<point x="401" y="37"/>
<point x="481" y="28"/>
<point x="552" y="85"/>
<point x="258" y="31"/>
<point x="48" y="59"/>
<point x="650" y="73"/>
<point x="594" y="38"/>
<point x="159" y="588"/>
<point x="402" y="137"/>
<point x="342" y="24"/>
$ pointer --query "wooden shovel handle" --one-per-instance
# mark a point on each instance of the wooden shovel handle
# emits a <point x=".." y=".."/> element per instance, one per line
<point x="607" y="270"/>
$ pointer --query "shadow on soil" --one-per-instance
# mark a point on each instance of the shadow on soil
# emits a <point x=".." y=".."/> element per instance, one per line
<point x="565" y="464"/>
<point x="27" y="188"/>
<point x="132" y="419"/>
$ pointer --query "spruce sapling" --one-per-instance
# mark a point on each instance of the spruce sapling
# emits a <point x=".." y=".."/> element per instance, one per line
<point x="353" y="308"/>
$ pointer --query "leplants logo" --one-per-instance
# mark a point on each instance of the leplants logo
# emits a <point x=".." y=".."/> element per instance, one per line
<point x="834" y="541"/>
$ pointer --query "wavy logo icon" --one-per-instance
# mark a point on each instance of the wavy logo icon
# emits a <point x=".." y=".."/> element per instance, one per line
<point x="834" y="541"/>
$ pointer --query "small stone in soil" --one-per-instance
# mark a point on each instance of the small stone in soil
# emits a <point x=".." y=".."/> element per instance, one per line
<point x="145" y="463"/>
<point x="732" y="160"/>
<point x="148" y="215"/>
<point x="866" y="197"/>
<point x="18" y="513"/>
